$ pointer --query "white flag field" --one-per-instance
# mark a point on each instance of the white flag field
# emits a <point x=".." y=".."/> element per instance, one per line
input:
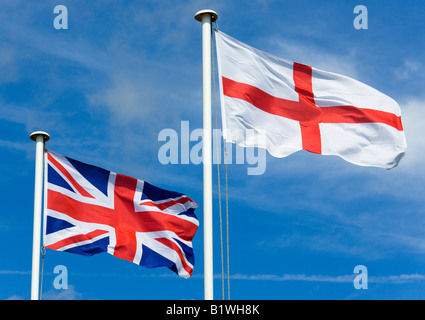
<point x="295" y="107"/>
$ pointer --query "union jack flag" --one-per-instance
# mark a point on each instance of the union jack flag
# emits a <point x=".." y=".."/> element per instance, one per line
<point x="89" y="210"/>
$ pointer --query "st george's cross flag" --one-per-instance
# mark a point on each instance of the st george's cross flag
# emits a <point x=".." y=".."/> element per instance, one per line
<point x="294" y="107"/>
<point x="90" y="210"/>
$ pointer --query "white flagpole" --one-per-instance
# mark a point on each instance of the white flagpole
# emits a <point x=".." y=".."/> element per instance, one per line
<point x="206" y="17"/>
<point x="40" y="138"/>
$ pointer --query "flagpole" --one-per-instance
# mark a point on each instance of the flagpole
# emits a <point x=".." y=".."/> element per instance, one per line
<point x="206" y="17"/>
<point x="40" y="138"/>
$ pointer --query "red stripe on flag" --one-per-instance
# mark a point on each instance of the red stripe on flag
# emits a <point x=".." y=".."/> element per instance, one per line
<point x="299" y="111"/>
<point x="145" y="221"/>
<point x="260" y="99"/>
<point x="69" y="177"/>
<point x="350" y="114"/>
<point x="75" y="239"/>
<point x="166" y="205"/>
<point x="310" y="131"/>
<point x="176" y="248"/>
<point x="302" y="81"/>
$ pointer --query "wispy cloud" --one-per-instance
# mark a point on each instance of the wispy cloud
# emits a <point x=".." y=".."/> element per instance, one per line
<point x="293" y="277"/>
<point x="63" y="294"/>
<point x="410" y="68"/>
<point x="347" y="278"/>
<point x="15" y="297"/>
<point x="391" y="279"/>
<point x="15" y="145"/>
<point x="413" y="113"/>
<point x="14" y="272"/>
<point x="344" y="63"/>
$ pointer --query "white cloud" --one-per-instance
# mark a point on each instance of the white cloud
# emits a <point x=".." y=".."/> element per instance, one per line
<point x="392" y="279"/>
<point x="293" y="277"/>
<point x="129" y="98"/>
<point x="410" y="68"/>
<point x="72" y="294"/>
<point x="347" y="278"/>
<point x="15" y="272"/>
<point x="318" y="58"/>
<point x="413" y="115"/>
<point x="15" y="297"/>
<point x="8" y="64"/>
<point x="62" y="294"/>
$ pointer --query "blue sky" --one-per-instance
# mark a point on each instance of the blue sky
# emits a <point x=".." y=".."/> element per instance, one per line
<point x="126" y="70"/>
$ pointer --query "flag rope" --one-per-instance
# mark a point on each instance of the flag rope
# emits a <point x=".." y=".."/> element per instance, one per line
<point x="43" y="253"/>
<point x="219" y="185"/>
<point x="218" y="173"/>
<point x="227" y="224"/>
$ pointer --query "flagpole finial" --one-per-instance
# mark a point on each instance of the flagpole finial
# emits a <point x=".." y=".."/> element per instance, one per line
<point x="213" y="14"/>
<point x="45" y="135"/>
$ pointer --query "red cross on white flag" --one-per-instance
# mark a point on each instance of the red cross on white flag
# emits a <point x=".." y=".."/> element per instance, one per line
<point x="297" y="107"/>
